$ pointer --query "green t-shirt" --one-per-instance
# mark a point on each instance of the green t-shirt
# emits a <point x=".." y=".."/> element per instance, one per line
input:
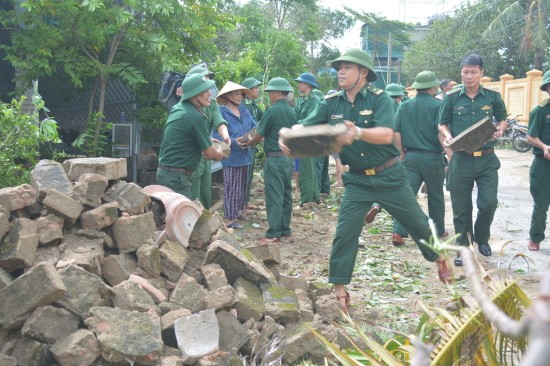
<point x="305" y="105"/>
<point x="184" y="137"/>
<point x="372" y="108"/>
<point x="417" y="122"/>
<point x="459" y="111"/>
<point x="539" y="124"/>
<point x="280" y="114"/>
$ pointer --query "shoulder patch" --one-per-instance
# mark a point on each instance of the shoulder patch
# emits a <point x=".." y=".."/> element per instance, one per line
<point x="454" y="91"/>
<point x="544" y="103"/>
<point x="490" y="89"/>
<point x="334" y="94"/>
<point x="374" y="90"/>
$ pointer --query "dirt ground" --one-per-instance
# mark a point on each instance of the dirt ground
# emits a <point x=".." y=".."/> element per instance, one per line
<point x="390" y="281"/>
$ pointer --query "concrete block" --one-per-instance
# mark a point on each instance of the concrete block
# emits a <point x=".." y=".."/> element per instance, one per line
<point x="63" y="206"/>
<point x="15" y="198"/>
<point x="110" y="168"/>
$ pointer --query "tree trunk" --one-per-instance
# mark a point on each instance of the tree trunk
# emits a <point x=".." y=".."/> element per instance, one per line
<point x="100" y="110"/>
<point x="539" y="58"/>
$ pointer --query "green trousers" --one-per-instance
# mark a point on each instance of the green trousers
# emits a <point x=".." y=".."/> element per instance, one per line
<point x="323" y="179"/>
<point x="178" y="182"/>
<point x="539" y="178"/>
<point x="202" y="183"/>
<point x="307" y="181"/>
<point x="250" y="175"/>
<point x="278" y="195"/>
<point x="464" y="171"/>
<point x="392" y="191"/>
<point x="426" y="167"/>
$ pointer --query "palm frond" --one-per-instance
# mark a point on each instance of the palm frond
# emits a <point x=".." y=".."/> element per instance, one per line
<point x="500" y="24"/>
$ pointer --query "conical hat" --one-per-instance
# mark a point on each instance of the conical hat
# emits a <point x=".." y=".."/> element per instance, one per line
<point x="231" y="86"/>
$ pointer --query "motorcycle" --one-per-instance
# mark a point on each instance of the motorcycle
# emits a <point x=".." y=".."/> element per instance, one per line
<point x="516" y="134"/>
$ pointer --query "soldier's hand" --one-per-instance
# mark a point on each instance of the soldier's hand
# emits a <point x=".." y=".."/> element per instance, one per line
<point x="447" y="140"/>
<point x="282" y="132"/>
<point x="547" y="152"/>
<point x="348" y="137"/>
<point x="227" y="140"/>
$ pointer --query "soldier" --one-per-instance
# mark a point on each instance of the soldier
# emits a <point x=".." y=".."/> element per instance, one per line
<point x="307" y="170"/>
<point x="202" y="177"/>
<point x="394" y="91"/>
<point x="539" y="175"/>
<point x="250" y="103"/>
<point x="375" y="170"/>
<point x="417" y="138"/>
<point x="462" y="108"/>
<point x="446" y="86"/>
<point x="278" y="167"/>
<point x="322" y="162"/>
<point x="185" y="135"/>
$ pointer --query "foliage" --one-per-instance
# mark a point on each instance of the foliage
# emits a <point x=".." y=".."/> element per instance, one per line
<point x="449" y="41"/>
<point x="236" y="70"/>
<point x="20" y="137"/>
<point x="151" y="121"/>
<point x="89" y="145"/>
<point x="91" y="41"/>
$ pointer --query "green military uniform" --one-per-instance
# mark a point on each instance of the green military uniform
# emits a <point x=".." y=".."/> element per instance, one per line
<point x="417" y="122"/>
<point x="278" y="168"/>
<point x="322" y="162"/>
<point x="202" y="177"/>
<point x="372" y="107"/>
<point x="257" y="113"/>
<point x="539" y="174"/>
<point x="459" y="112"/>
<point x="307" y="173"/>
<point x="184" y="137"/>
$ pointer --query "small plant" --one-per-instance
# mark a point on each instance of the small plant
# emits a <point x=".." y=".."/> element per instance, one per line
<point x="151" y="121"/>
<point x="85" y="141"/>
<point x="21" y="134"/>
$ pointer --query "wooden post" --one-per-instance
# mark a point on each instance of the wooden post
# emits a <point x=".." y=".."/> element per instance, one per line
<point x="533" y="93"/>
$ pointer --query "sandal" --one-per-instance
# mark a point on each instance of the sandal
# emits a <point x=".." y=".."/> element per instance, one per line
<point x="347" y="301"/>
<point x="533" y="246"/>
<point x="270" y="240"/>
<point x="443" y="272"/>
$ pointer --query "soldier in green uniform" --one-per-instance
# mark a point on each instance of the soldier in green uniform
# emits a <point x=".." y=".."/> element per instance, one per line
<point x="405" y="93"/>
<point x="278" y="167"/>
<point x="202" y="177"/>
<point x="539" y="175"/>
<point x="417" y="138"/>
<point x="462" y="108"/>
<point x="394" y="91"/>
<point x="322" y="162"/>
<point x="307" y="172"/>
<point x="185" y="136"/>
<point x="375" y="173"/>
<point x="250" y="103"/>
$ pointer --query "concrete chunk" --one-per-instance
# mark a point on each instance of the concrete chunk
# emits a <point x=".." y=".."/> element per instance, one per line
<point x="128" y="295"/>
<point x="84" y="252"/>
<point x="4" y="223"/>
<point x="90" y="188"/>
<point x="238" y="264"/>
<point x="214" y="276"/>
<point x="84" y="291"/>
<point x="233" y="334"/>
<point x="42" y="285"/>
<point x="100" y="217"/>
<point x="7" y="360"/>
<point x="48" y="324"/>
<point x="205" y="227"/>
<point x="110" y="168"/>
<point x="63" y="205"/>
<point x="29" y="352"/>
<point x="249" y="301"/>
<point x="269" y="254"/>
<point x="198" y="335"/>
<point x="131" y="232"/>
<point x="126" y="336"/>
<point x="220" y="298"/>
<point x="18" y="248"/>
<point x="281" y="304"/>
<point x="5" y="278"/>
<point x="189" y="294"/>
<point x="118" y="268"/>
<point x="131" y="198"/>
<point x="15" y="198"/>
<point x="149" y="259"/>
<point x="77" y="349"/>
<point x="50" y="174"/>
<point x="173" y="257"/>
<point x="49" y="232"/>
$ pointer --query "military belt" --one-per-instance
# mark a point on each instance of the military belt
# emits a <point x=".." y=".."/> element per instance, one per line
<point x="479" y="153"/>
<point x="178" y="170"/>
<point x="378" y="169"/>
<point x="274" y="153"/>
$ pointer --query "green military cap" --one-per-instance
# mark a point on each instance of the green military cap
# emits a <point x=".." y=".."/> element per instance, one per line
<point x="195" y="84"/>
<point x="307" y="78"/>
<point x="404" y="89"/>
<point x="250" y="83"/>
<point x="545" y="80"/>
<point x="318" y="93"/>
<point x="202" y="71"/>
<point x="394" y="90"/>
<point x="424" y="80"/>
<point x="278" y="84"/>
<point x="359" y="57"/>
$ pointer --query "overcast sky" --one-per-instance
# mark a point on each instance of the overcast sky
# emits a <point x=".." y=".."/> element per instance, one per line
<point x="410" y="11"/>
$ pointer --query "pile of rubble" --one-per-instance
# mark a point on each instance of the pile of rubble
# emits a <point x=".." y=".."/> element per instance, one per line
<point x="87" y="277"/>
